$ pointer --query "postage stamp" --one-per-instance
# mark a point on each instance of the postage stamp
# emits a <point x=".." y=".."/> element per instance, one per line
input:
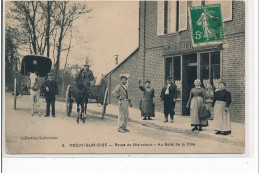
<point x="207" y="24"/>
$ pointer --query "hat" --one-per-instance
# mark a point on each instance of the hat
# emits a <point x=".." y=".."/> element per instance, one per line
<point x="222" y="83"/>
<point x="148" y="81"/>
<point x="169" y="78"/>
<point x="86" y="64"/>
<point x="50" y="74"/>
<point x="123" y="76"/>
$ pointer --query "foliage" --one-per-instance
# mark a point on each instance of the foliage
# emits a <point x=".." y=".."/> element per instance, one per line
<point x="46" y="26"/>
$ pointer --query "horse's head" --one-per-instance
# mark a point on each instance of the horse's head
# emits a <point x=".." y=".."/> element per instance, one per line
<point x="33" y="78"/>
<point x="80" y="85"/>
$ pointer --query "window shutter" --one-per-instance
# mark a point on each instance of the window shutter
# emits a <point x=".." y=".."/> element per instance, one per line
<point x="183" y="15"/>
<point x="196" y="3"/>
<point x="172" y="15"/>
<point x="226" y="8"/>
<point x="211" y="2"/>
<point x="160" y="18"/>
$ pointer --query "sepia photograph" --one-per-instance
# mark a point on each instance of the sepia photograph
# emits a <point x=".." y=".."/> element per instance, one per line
<point x="124" y="77"/>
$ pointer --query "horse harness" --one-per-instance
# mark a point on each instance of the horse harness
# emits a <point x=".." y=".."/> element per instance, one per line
<point x="35" y="86"/>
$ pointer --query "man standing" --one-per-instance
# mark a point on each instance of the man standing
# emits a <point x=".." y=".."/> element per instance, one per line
<point x="168" y="96"/>
<point x="120" y="92"/>
<point x="50" y="88"/>
<point x="85" y="75"/>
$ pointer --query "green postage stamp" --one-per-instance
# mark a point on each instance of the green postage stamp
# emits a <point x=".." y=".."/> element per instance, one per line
<point x="206" y="24"/>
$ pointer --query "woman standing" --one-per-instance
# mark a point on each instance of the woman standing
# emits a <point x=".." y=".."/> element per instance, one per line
<point x="195" y="102"/>
<point x="220" y="104"/>
<point x="146" y="104"/>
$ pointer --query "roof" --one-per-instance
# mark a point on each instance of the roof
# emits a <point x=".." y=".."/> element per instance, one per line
<point x="36" y="63"/>
<point x="114" y="69"/>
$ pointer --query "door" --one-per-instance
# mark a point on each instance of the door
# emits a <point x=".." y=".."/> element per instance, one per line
<point x="189" y="74"/>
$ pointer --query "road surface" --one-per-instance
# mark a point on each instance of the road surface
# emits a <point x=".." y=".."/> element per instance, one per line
<point x="25" y="133"/>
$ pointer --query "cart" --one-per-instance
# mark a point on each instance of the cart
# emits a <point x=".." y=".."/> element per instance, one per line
<point x="30" y="63"/>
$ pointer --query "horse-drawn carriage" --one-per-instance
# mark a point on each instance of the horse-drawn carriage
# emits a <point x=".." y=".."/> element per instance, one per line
<point x="34" y="71"/>
<point x="31" y="64"/>
<point x="83" y="94"/>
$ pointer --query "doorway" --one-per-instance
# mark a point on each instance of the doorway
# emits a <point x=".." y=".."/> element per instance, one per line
<point x="189" y="74"/>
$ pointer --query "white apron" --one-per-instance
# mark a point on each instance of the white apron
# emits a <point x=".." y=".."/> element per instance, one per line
<point x="221" y="117"/>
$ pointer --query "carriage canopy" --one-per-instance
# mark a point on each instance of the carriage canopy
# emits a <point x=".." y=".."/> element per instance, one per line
<point x="35" y="63"/>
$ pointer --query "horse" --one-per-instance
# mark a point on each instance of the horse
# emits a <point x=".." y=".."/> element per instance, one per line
<point x="34" y="88"/>
<point x="81" y="93"/>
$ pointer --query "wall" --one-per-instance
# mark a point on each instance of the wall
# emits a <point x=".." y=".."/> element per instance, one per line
<point x="130" y="66"/>
<point x="233" y="65"/>
<point x="148" y="61"/>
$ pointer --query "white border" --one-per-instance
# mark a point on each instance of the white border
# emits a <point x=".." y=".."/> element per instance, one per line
<point x="246" y="163"/>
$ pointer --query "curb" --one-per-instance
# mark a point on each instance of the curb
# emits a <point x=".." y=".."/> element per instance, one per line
<point x="174" y="129"/>
<point x="179" y="130"/>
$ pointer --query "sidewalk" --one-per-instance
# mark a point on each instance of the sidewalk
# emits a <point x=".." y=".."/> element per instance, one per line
<point x="181" y="125"/>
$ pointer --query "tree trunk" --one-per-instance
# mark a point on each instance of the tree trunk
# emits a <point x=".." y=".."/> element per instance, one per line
<point x="62" y="88"/>
<point x="48" y="27"/>
<point x="64" y="70"/>
<point x="57" y="65"/>
<point x="34" y="39"/>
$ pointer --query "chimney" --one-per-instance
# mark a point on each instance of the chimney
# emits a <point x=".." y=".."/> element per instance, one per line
<point x="116" y="59"/>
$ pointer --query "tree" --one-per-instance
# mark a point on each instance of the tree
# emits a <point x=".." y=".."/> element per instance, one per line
<point x="47" y="25"/>
<point x="67" y="13"/>
<point x="64" y="70"/>
<point x="11" y="55"/>
<point x="47" y="9"/>
<point x="28" y="15"/>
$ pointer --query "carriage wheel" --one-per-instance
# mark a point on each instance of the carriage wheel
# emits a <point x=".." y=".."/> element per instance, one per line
<point x="15" y="93"/>
<point x="68" y="100"/>
<point x="104" y="103"/>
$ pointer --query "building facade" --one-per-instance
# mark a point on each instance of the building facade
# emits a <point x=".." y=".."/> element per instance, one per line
<point x="165" y="49"/>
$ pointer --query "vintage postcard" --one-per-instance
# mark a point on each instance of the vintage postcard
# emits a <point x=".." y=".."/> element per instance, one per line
<point x="124" y="77"/>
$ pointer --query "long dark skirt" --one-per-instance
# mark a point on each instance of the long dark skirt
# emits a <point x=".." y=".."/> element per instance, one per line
<point x="147" y="108"/>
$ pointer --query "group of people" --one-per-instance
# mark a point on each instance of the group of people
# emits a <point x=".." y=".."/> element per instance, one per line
<point x="197" y="99"/>
<point x="50" y="88"/>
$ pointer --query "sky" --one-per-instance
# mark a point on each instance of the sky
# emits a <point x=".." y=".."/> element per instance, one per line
<point x="110" y="29"/>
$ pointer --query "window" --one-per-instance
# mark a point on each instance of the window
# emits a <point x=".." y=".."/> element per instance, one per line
<point x="215" y="65"/>
<point x="204" y="66"/>
<point x="168" y="67"/>
<point x="177" y="68"/>
<point x="171" y="16"/>
<point x="173" y="69"/>
<point x="209" y="67"/>
<point x="226" y="7"/>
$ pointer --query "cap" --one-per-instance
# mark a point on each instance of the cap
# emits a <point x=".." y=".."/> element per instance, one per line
<point x="123" y="76"/>
<point x="147" y="81"/>
<point x="50" y="74"/>
<point x="169" y="78"/>
<point x="86" y="64"/>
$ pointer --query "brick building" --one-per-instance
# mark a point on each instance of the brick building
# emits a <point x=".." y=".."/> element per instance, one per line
<point x="165" y="49"/>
